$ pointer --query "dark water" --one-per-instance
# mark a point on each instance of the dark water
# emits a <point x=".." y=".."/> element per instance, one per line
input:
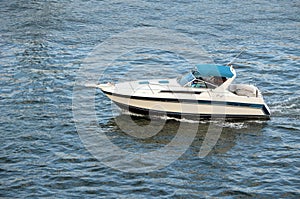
<point x="42" y="46"/>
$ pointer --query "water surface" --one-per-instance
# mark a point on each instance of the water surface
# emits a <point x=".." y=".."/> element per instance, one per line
<point x="42" y="47"/>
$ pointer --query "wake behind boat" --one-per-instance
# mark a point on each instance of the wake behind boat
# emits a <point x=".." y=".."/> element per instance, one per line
<point x="207" y="91"/>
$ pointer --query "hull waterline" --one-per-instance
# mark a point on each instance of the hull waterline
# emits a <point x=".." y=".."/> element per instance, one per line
<point x="189" y="109"/>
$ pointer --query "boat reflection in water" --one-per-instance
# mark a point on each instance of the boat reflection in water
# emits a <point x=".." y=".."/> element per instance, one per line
<point x="140" y="134"/>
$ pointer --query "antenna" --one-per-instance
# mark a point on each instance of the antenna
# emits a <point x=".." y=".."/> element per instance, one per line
<point x="229" y="63"/>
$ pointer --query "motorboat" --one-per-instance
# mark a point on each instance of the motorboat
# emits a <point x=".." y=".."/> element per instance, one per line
<point x="207" y="91"/>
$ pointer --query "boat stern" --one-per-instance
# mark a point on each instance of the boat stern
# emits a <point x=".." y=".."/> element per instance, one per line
<point x="266" y="111"/>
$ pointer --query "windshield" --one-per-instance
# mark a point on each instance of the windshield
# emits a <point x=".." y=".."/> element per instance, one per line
<point x="185" y="79"/>
<point x="194" y="79"/>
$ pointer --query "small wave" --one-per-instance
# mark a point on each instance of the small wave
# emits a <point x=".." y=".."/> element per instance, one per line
<point x="126" y="112"/>
<point x="288" y="106"/>
<point x="164" y="117"/>
<point x="233" y="125"/>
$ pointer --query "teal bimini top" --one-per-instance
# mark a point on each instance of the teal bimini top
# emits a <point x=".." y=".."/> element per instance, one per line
<point x="208" y="70"/>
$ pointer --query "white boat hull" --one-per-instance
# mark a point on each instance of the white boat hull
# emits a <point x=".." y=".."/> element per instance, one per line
<point x="189" y="107"/>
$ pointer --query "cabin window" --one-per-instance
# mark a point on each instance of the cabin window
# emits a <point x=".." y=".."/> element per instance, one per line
<point x="163" y="81"/>
<point x="144" y="82"/>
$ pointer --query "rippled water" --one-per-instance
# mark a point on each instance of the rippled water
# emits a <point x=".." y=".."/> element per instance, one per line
<point x="43" y="44"/>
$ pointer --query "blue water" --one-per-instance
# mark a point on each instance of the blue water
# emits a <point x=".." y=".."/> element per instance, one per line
<point x="42" y="47"/>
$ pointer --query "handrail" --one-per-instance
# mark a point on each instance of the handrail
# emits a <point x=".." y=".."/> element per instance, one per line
<point x="131" y="87"/>
<point x="150" y="88"/>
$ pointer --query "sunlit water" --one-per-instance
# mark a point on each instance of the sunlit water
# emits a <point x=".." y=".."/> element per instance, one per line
<point x="42" y="46"/>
